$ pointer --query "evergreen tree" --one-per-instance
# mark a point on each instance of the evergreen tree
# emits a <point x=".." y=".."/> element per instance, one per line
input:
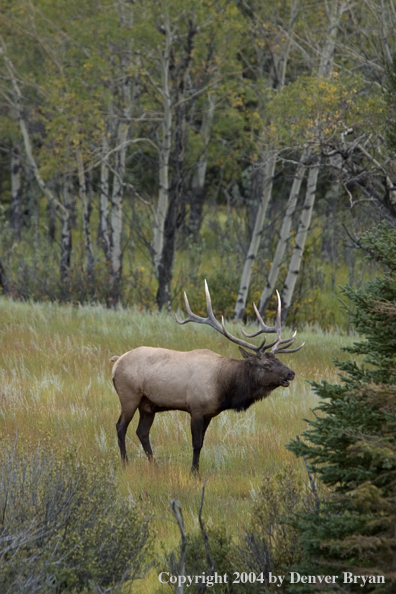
<point x="351" y="444"/>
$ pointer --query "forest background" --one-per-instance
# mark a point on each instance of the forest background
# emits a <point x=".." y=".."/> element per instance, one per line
<point x="147" y="146"/>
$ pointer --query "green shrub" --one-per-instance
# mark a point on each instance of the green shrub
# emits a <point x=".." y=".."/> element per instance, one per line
<point x="269" y="543"/>
<point x="64" y="527"/>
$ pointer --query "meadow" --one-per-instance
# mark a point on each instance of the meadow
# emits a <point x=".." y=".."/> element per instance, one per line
<point x="56" y="390"/>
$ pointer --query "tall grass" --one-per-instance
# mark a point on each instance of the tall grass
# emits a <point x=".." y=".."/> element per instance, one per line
<point x="55" y="388"/>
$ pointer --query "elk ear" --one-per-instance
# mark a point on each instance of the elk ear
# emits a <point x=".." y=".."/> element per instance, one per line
<point x="246" y="354"/>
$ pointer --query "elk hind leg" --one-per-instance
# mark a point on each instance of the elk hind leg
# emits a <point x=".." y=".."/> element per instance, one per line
<point x="198" y="429"/>
<point x="126" y="417"/>
<point x="143" y="431"/>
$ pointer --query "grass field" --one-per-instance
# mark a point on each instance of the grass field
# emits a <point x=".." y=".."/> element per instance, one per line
<point x="56" y="389"/>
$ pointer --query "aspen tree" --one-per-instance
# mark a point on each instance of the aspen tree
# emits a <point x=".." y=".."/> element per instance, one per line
<point x="334" y="11"/>
<point x="278" y="75"/>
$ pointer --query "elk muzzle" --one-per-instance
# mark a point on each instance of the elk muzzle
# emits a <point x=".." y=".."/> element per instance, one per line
<point x="285" y="382"/>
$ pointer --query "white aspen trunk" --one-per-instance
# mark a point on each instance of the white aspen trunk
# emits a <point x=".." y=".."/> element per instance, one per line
<point x="66" y="235"/>
<point x="16" y="192"/>
<point x="178" y="75"/>
<point x="117" y="191"/>
<point x="85" y="214"/>
<point x="123" y="129"/>
<point x="301" y="237"/>
<point x="283" y="239"/>
<point x="199" y="176"/>
<point x="104" y="239"/>
<point x="164" y="152"/>
<point x="256" y="237"/>
<point x="116" y="209"/>
<point x="335" y="10"/>
<point x="279" y="77"/>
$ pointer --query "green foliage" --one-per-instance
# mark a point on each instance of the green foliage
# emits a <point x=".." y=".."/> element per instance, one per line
<point x="281" y="495"/>
<point x="64" y="527"/>
<point x="352" y="448"/>
<point x="309" y="109"/>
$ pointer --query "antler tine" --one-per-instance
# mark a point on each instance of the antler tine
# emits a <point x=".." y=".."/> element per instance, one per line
<point x="239" y="341"/>
<point x="191" y="316"/>
<point x="264" y="327"/>
<point x="279" y="342"/>
<point x="278" y="325"/>
<point x="286" y="350"/>
<point x="209" y="308"/>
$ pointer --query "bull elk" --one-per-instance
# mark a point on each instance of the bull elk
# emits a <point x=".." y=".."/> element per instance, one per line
<point x="199" y="382"/>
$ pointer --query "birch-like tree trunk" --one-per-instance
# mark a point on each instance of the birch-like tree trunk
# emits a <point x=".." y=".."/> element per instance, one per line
<point x="164" y="147"/>
<point x="16" y="192"/>
<point x="283" y="238"/>
<point x="66" y="235"/>
<point x="128" y="89"/>
<point x="301" y="237"/>
<point x="256" y="237"/>
<point x="180" y="72"/>
<point x="123" y="129"/>
<point x="199" y="175"/>
<point x="103" y="235"/>
<point x="85" y="214"/>
<point x="280" y="60"/>
<point x="334" y="9"/>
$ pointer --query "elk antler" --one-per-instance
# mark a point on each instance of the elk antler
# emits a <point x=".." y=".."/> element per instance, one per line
<point x="211" y="321"/>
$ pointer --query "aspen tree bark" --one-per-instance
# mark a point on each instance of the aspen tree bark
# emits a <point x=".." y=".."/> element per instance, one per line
<point x="117" y="193"/>
<point x="164" y="147"/>
<point x="16" y="192"/>
<point x="199" y="175"/>
<point x="301" y="237"/>
<point x="85" y="214"/>
<point x="334" y="10"/>
<point x="278" y="82"/>
<point x="103" y="236"/>
<point x="165" y="266"/>
<point x="283" y="238"/>
<point x="66" y="235"/>
<point x="180" y="72"/>
<point x="256" y="237"/>
<point x="123" y="129"/>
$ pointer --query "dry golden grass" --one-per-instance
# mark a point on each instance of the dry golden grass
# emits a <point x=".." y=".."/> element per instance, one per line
<point x="56" y="389"/>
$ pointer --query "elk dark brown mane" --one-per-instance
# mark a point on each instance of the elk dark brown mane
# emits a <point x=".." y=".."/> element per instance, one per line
<point x="199" y="382"/>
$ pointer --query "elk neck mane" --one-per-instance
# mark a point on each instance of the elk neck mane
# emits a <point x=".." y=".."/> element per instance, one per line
<point x="238" y="387"/>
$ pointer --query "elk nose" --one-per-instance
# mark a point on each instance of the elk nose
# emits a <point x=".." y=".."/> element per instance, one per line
<point x="291" y="375"/>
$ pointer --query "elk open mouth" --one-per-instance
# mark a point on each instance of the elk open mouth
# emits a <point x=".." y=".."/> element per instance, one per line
<point x="285" y="383"/>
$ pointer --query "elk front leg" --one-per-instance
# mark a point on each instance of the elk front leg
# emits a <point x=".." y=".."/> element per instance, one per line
<point x="198" y="429"/>
<point x="143" y="431"/>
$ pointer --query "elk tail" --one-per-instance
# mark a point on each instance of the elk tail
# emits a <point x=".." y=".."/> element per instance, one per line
<point x="114" y="359"/>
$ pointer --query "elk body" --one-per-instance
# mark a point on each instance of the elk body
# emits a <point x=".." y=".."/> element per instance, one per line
<point x="200" y="382"/>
